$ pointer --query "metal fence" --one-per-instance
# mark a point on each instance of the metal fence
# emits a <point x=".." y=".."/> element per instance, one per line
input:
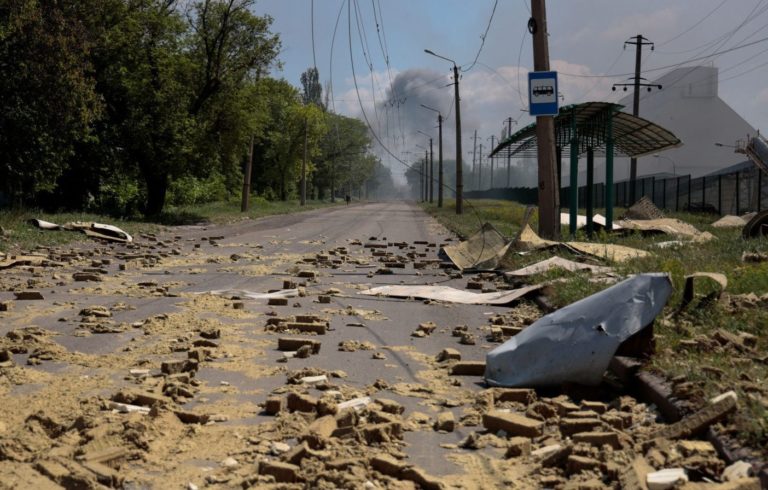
<point x="732" y="193"/>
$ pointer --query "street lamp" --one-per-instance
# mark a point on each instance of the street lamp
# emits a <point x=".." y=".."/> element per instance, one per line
<point x="431" y="172"/>
<point x="674" y="170"/>
<point x="459" y="176"/>
<point x="439" y="155"/>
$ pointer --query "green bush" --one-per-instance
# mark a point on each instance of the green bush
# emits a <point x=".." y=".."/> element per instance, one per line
<point x="191" y="190"/>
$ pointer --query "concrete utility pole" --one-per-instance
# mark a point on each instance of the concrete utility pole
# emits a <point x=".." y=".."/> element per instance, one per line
<point x="431" y="172"/>
<point x="474" y="160"/>
<point x="459" y="168"/>
<point x="493" y="147"/>
<point x="247" y="179"/>
<point x="426" y="175"/>
<point x="638" y="41"/>
<point x="480" y="168"/>
<point x="439" y="160"/>
<point x="549" y="217"/>
<point x="304" y="168"/>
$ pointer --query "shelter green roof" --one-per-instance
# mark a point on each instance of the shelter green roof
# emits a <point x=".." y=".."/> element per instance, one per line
<point x="633" y="136"/>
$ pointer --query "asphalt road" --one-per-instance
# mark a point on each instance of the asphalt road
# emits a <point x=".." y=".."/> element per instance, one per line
<point x="203" y="264"/>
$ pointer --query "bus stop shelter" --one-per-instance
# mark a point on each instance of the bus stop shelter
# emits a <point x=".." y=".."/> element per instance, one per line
<point x="592" y="128"/>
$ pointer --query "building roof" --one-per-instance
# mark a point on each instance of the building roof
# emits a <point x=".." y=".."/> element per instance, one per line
<point x="633" y="136"/>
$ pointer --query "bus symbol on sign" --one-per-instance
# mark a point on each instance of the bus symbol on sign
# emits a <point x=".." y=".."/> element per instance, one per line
<point x="542" y="93"/>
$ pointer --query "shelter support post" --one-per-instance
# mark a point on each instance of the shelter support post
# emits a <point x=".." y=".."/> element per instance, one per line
<point x="573" y="188"/>
<point x="609" y="172"/>
<point x="559" y="161"/>
<point x="590" y="189"/>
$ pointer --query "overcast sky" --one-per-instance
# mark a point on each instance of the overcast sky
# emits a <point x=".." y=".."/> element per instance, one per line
<point x="586" y="38"/>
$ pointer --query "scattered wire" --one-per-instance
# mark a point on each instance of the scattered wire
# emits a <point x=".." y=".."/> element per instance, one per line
<point x="482" y="38"/>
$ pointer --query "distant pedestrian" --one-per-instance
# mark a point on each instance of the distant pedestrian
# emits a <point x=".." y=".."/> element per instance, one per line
<point x="348" y="199"/>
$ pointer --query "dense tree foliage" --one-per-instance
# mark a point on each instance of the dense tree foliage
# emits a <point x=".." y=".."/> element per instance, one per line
<point x="126" y="105"/>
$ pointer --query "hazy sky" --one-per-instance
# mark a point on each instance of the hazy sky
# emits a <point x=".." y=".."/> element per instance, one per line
<point x="586" y="38"/>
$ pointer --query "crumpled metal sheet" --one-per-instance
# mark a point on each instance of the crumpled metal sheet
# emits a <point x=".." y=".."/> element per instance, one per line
<point x="94" y="230"/>
<point x="482" y="250"/>
<point x="453" y="295"/>
<point x="557" y="263"/>
<point x="669" y="226"/>
<point x="529" y="240"/>
<point x="575" y="344"/>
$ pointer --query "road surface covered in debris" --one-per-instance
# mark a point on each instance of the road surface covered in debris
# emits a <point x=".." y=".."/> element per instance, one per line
<point x="167" y="363"/>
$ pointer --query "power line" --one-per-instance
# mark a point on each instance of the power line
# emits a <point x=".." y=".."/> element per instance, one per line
<point x="665" y="67"/>
<point x="519" y="57"/>
<point x="698" y="23"/>
<point x="312" y="17"/>
<point x="749" y="17"/>
<point x="485" y="34"/>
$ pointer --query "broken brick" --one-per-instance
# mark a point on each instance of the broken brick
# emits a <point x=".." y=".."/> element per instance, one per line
<point x="273" y="405"/>
<point x="518" y="446"/>
<point x="445" y="422"/>
<point x="513" y="424"/>
<point x="282" y="472"/>
<point x="519" y="395"/>
<point x="570" y="426"/>
<point x="293" y="344"/>
<point x="577" y="464"/>
<point x="28" y="295"/>
<point x="599" y="439"/>
<point x="449" y="355"/>
<point x="301" y="403"/>
<point x="468" y="368"/>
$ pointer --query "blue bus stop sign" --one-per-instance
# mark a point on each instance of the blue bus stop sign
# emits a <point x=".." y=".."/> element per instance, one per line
<point x="542" y="93"/>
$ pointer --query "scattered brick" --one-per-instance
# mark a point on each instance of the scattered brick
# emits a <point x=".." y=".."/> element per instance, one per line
<point x="468" y="368"/>
<point x="291" y="344"/>
<point x="599" y="439"/>
<point x="28" y="295"/>
<point x="449" y="355"/>
<point x="282" y="472"/>
<point x="513" y="424"/>
<point x="518" y="446"/>
<point x="445" y="422"/>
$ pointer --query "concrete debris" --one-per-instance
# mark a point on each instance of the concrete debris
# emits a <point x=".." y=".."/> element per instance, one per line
<point x="666" y="479"/>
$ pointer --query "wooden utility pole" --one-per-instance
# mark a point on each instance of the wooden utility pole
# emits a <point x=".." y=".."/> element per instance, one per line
<point x="459" y="169"/>
<point x="304" y="168"/>
<point x="247" y="179"/>
<point x="549" y="217"/>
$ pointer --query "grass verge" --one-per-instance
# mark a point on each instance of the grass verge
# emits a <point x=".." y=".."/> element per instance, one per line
<point x="686" y="345"/>
<point x="20" y="236"/>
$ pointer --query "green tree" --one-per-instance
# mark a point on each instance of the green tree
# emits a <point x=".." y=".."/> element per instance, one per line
<point x="47" y="99"/>
<point x="312" y="90"/>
